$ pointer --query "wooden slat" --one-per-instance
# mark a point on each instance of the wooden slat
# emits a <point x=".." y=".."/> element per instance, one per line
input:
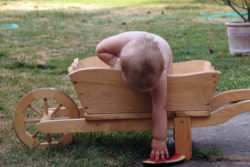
<point x="45" y="100"/>
<point x="82" y="125"/>
<point x="32" y="120"/>
<point x="93" y="62"/>
<point x="56" y="110"/>
<point x="183" y="139"/>
<point x="144" y="115"/>
<point x="103" y="91"/>
<point x="178" y="68"/>
<point x="63" y="113"/>
<point x="230" y="96"/>
<point x="191" y="113"/>
<point x="35" y="134"/>
<point x="35" y="110"/>
<point x="118" y="116"/>
<point x="222" y="115"/>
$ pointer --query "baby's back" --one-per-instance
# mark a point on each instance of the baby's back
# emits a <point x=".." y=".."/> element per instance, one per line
<point x="163" y="45"/>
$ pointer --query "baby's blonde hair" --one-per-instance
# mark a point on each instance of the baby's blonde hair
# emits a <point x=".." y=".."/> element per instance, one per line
<point x="141" y="62"/>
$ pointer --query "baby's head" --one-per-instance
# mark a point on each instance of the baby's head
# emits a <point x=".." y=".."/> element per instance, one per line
<point x="141" y="63"/>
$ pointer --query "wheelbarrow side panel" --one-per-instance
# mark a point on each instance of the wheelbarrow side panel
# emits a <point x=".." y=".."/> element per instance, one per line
<point x="103" y="91"/>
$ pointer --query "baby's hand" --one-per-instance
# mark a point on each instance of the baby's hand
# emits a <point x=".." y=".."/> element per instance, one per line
<point x="159" y="150"/>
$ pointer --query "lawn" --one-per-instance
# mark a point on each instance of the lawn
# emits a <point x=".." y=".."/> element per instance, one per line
<point x="51" y="34"/>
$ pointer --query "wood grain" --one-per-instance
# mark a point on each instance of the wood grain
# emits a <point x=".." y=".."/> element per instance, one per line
<point x="183" y="139"/>
<point x="104" y="91"/>
<point x="230" y="96"/>
<point x="222" y="115"/>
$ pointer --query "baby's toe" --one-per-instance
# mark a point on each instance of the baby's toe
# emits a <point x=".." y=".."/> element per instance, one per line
<point x="162" y="155"/>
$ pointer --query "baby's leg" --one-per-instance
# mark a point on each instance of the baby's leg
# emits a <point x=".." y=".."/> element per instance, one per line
<point x="170" y="68"/>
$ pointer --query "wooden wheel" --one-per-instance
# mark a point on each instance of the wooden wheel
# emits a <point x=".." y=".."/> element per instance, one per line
<point x="41" y="105"/>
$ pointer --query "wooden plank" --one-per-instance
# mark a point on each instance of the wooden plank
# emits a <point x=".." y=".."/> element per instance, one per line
<point x="222" y="115"/>
<point x="34" y="120"/>
<point x="192" y="67"/>
<point x="82" y="125"/>
<point x="191" y="92"/>
<point x="43" y="92"/>
<point x="93" y="62"/>
<point x="118" y="116"/>
<point x="183" y="139"/>
<point x="104" y="91"/>
<point x="230" y="96"/>
<point x="144" y="115"/>
<point x="64" y="113"/>
<point x="178" y="68"/>
<point x="192" y="113"/>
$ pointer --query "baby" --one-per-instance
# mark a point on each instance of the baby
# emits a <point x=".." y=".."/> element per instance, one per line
<point x="145" y="59"/>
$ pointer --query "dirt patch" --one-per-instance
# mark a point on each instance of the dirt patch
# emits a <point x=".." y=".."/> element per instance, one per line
<point x="32" y="6"/>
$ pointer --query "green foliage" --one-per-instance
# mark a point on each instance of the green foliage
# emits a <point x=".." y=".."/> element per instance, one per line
<point x="22" y="65"/>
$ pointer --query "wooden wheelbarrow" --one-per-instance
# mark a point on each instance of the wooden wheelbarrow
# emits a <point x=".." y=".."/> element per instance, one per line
<point x="48" y="117"/>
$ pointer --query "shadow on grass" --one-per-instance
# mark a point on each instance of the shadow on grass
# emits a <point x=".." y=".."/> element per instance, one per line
<point x="100" y="149"/>
<point x="23" y="65"/>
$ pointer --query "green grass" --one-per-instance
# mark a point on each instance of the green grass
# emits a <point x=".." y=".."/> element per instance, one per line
<point x="38" y="53"/>
<point x="208" y="154"/>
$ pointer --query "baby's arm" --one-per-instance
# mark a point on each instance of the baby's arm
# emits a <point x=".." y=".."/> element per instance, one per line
<point x="159" y="117"/>
<point x="109" y="49"/>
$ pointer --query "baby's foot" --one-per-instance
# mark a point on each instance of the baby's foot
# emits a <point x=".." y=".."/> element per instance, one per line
<point x="75" y="65"/>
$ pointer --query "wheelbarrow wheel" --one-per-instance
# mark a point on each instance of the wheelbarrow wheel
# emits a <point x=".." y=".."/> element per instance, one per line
<point x="41" y="105"/>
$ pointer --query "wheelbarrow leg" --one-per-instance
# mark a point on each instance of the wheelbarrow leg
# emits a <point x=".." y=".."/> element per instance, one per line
<point x="183" y="139"/>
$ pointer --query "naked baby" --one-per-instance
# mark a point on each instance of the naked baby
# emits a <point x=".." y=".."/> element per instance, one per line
<point x="145" y="59"/>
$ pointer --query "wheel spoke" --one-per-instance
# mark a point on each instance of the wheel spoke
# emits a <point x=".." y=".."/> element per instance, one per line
<point x="45" y="105"/>
<point x="57" y="109"/>
<point x="35" y="134"/>
<point x="32" y="120"/>
<point x="60" y="118"/>
<point x="49" y="138"/>
<point x="36" y="107"/>
<point x="35" y="110"/>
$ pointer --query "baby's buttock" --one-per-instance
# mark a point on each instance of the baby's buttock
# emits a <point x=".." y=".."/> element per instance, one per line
<point x="165" y="50"/>
<point x="163" y="45"/>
